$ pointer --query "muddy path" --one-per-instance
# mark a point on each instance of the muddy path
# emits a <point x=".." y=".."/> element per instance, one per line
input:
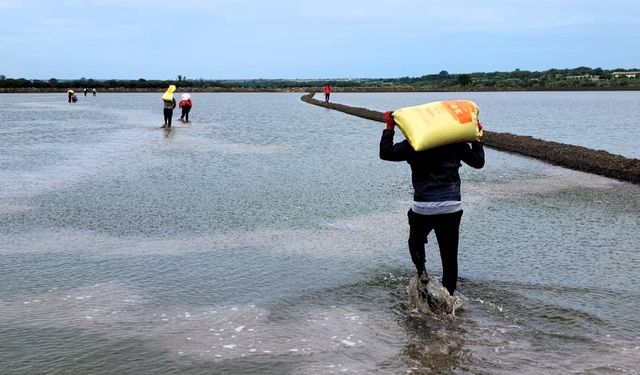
<point x="570" y="156"/>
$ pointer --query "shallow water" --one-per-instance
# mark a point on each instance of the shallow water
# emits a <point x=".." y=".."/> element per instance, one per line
<point x="267" y="237"/>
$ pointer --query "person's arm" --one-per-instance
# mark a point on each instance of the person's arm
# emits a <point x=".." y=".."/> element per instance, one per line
<point x="474" y="155"/>
<point x="388" y="150"/>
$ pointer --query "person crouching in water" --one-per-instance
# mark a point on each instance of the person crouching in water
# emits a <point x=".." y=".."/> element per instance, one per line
<point x="186" y="105"/>
<point x="169" y="104"/>
<point x="436" y="200"/>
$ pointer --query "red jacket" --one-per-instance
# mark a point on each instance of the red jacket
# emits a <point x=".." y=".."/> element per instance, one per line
<point x="185" y="103"/>
<point x="327" y="89"/>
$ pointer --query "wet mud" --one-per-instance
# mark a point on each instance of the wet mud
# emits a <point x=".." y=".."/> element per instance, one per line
<point x="570" y="156"/>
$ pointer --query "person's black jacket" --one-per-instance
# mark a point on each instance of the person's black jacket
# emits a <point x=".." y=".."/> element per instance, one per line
<point x="434" y="172"/>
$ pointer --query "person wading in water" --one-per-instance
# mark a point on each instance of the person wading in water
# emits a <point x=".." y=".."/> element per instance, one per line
<point x="437" y="201"/>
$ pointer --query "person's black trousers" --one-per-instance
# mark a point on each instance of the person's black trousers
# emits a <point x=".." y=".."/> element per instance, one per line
<point x="168" y="113"/>
<point x="447" y="227"/>
<point x="185" y="113"/>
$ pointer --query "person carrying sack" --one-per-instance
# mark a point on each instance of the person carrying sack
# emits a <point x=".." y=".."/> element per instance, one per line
<point x="169" y="104"/>
<point x="437" y="201"/>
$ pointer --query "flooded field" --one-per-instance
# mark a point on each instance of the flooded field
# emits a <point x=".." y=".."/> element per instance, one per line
<point x="268" y="237"/>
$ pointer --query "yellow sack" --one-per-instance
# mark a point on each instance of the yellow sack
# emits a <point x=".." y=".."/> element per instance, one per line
<point x="168" y="95"/>
<point x="439" y="123"/>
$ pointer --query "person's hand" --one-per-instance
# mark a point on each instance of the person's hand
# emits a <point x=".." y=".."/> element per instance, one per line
<point x="388" y="118"/>
<point x="480" y="128"/>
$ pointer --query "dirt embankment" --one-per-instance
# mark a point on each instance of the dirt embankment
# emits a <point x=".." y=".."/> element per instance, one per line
<point x="574" y="157"/>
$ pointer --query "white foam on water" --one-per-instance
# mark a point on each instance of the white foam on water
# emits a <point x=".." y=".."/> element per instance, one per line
<point x="348" y="343"/>
<point x="210" y="333"/>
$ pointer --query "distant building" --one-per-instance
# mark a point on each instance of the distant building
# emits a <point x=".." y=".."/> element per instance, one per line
<point x="625" y="74"/>
<point x="589" y="77"/>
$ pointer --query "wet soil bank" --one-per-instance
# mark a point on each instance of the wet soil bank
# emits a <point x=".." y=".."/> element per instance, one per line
<point x="574" y="157"/>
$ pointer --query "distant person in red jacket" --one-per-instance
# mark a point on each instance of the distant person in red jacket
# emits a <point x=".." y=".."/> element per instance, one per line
<point x="186" y="105"/>
<point x="327" y="92"/>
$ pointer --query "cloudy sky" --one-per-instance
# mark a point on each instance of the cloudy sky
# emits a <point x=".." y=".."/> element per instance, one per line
<point x="235" y="39"/>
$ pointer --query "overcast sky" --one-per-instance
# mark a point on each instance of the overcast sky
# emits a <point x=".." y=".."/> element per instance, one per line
<point x="235" y="39"/>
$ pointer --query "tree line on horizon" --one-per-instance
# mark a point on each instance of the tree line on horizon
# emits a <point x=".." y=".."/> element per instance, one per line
<point x="581" y="77"/>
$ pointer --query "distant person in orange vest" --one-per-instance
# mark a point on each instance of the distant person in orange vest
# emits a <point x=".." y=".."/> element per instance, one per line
<point x="327" y="92"/>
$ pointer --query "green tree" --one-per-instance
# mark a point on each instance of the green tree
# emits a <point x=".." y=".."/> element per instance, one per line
<point x="464" y="79"/>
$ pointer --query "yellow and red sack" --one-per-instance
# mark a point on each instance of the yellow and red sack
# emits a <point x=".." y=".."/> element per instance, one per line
<point x="440" y="123"/>
<point x="168" y="95"/>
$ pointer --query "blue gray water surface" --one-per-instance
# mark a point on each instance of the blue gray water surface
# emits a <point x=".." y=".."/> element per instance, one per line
<point x="267" y="237"/>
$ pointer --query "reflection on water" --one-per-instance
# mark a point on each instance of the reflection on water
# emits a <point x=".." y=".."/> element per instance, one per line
<point x="168" y="132"/>
<point x="267" y="237"/>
